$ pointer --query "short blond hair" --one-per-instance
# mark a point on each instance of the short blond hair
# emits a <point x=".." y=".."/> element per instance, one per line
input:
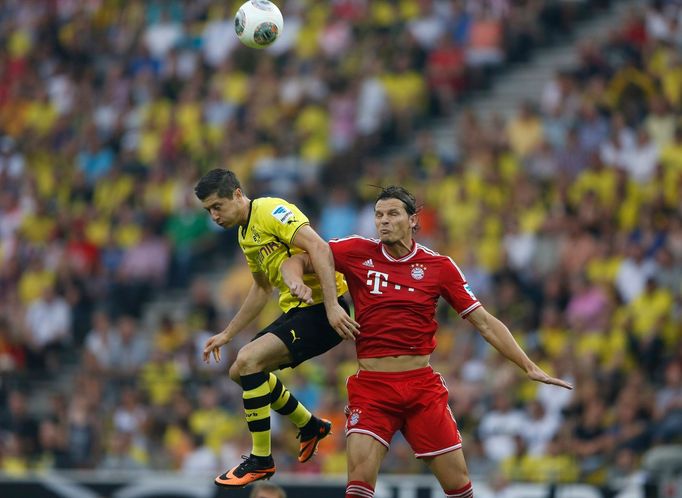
<point x="266" y="486"/>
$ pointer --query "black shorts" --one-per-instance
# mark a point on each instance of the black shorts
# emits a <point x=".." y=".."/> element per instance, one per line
<point x="305" y="332"/>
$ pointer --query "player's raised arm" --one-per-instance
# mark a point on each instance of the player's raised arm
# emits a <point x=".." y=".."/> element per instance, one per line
<point x="322" y="260"/>
<point x="255" y="301"/>
<point x="292" y="270"/>
<point x="499" y="337"/>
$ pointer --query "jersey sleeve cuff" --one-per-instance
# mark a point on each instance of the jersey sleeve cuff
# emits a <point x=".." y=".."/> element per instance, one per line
<point x="296" y="231"/>
<point x="471" y="308"/>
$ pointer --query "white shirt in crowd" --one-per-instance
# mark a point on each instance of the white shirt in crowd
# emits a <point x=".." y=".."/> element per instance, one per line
<point x="48" y="321"/>
<point x="632" y="276"/>
<point x="498" y="429"/>
<point x="538" y="432"/>
<point x="641" y="161"/>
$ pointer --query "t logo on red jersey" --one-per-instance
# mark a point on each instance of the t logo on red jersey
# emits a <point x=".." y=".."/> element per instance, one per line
<point x="376" y="279"/>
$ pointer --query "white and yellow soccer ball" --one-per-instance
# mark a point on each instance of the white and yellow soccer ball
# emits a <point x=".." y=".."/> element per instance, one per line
<point x="258" y="23"/>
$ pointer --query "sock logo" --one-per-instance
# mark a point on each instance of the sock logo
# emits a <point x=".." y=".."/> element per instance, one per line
<point x="294" y="337"/>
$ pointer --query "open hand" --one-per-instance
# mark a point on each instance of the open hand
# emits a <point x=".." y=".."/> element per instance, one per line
<point x="344" y="325"/>
<point x="539" y="375"/>
<point x="213" y="345"/>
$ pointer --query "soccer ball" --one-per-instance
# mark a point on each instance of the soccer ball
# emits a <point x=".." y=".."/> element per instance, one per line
<point x="258" y="23"/>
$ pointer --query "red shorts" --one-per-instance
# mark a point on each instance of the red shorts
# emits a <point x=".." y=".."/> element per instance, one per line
<point x="414" y="402"/>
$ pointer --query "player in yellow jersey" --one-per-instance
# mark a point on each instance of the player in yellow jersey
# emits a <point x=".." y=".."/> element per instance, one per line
<point x="270" y="231"/>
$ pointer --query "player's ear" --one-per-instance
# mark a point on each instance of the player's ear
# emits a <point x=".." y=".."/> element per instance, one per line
<point x="413" y="221"/>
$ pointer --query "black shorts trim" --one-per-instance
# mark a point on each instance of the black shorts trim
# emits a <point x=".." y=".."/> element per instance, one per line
<point x="305" y="332"/>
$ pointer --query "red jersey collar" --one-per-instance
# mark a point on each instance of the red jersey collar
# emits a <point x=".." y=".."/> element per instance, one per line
<point x="404" y="258"/>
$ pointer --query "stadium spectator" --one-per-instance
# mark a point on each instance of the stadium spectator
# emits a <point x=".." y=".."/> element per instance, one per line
<point x="668" y="408"/>
<point x="267" y="490"/>
<point x="12" y="353"/>
<point x="17" y="422"/>
<point x="499" y="427"/>
<point x="48" y="327"/>
<point x="539" y="429"/>
<point x="52" y="451"/>
<point x="130" y="350"/>
<point x="118" y="454"/>
<point x="200" y="457"/>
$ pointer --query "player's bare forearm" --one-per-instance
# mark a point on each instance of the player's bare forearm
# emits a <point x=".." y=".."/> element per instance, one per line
<point x="498" y="336"/>
<point x="255" y="301"/>
<point x="292" y="271"/>
<point x="322" y="261"/>
<point x="294" y="268"/>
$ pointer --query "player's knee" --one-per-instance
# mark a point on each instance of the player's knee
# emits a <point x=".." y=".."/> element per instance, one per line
<point x="234" y="373"/>
<point x="463" y="471"/>
<point x="361" y="474"/>
<point x="247" y="362"/>
<point x="458" y="478"/>
<point x="360" y="470"/>
<point x="463" y="475"/>
<point x="358" y="474"/>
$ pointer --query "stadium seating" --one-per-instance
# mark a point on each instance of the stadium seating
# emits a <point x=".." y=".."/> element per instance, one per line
<point x="565" y="219"/>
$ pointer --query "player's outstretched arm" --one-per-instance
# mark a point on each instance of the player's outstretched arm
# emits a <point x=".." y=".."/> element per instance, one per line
<point x="255" y="301"/>
<point x="292" y="271"/>
<point x="322" y="260"/>
<point x="499" y="337"/>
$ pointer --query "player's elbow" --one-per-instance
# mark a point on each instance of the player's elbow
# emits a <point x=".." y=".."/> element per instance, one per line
<point x="322" y="247"/>
<point x="264" y="292"/>
<point x="486" y="332"/>
<point x="482" y="320"/>
<point x="261" y="287"/>
<point x="320" y="250"/>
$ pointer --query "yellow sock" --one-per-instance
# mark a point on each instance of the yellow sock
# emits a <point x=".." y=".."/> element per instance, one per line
<point x="256" y="398"/>
<point x="285" y="403"/>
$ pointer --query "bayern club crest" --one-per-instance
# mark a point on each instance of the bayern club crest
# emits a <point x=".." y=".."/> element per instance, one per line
<point x="418" y="271"/>
<point x="354" y="416"/>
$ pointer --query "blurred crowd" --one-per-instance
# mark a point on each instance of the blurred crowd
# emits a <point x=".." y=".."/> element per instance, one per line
<point x="566" y="219"/>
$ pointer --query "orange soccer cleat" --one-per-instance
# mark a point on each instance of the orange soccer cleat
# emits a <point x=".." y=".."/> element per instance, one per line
<point x="310" y="440"/>
<point x="252" y="469"/>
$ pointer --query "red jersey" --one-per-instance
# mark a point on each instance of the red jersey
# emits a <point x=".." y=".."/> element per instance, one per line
<point x="395" y="299"/>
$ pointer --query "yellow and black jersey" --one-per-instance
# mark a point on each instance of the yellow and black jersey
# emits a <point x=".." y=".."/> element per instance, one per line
<point x="266" y="243"/>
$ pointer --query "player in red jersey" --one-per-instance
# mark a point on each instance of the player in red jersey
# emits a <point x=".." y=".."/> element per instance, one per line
<point x="395" y="284"/>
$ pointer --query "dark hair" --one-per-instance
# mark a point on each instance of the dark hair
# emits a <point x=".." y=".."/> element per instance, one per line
<point x="217" y="181"/>
<point x="395" y="192"/>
